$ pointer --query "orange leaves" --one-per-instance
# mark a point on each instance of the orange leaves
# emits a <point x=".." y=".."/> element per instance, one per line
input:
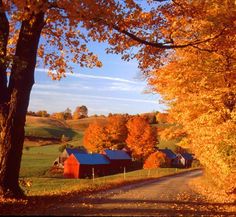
<point x="155" y="160"/>
<point x="111" y="135"/>
<point x="137" y="134"/>
<point x="95" y="138"/>
<point x="117" y="130"/>
<point x="142" y="138"/>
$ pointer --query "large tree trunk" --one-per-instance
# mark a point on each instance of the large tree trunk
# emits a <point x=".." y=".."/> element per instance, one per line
<point x="13" y="110"/>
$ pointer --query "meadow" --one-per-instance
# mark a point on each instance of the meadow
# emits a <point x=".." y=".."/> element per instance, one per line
<point x="38" y="158"/>
<point x="37" y="161"/>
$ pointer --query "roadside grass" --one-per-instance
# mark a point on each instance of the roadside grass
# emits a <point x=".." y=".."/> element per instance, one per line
<point x="57" y="186"/>
<point x="205" y="186"/>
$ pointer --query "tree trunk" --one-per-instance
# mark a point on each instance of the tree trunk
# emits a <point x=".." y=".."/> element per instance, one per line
<point x="13" y="112"/>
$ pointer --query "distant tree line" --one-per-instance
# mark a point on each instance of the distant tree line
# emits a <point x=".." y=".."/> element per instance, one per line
<point x="79" y="113"/>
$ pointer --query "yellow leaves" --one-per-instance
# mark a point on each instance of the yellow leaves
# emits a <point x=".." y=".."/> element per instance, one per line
<point x="198" y="83"/>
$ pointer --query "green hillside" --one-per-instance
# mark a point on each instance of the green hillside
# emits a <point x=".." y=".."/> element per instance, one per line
<point x="53" y="129"/>
<point x="48" y="128"/>
<point x="82" y="124"/>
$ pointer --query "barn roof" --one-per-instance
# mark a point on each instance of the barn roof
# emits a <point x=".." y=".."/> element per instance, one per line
<point x="187" y="156"/>
<point x="170" y="154"/>
<point x="117" y="155"/>
<point x="91" y="159"/>
<point x="74" y="151"/>
<point x="71" y="151"/>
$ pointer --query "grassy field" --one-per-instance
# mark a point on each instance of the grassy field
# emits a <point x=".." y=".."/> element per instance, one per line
<point x="37" y="161"/>
<point x="82" y="124"/>
<point x="49" y="186"/>
<point x="48" y="128"/>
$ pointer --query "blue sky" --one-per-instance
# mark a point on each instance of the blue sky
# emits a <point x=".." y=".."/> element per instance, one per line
<point x="117" y="87"/>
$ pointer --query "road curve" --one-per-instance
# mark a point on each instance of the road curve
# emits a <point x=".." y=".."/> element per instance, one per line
<point x="166" y="196"/>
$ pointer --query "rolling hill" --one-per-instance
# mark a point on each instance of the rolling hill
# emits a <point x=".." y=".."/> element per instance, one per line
<point x="46" y="131"/>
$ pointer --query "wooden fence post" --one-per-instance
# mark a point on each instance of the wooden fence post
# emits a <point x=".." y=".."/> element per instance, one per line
<point x="93" y="173"/>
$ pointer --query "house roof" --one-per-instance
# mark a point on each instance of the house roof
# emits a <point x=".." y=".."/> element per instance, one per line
<point x="187" y="156"/>
<point x="170" y="154"/>
<point x="91" y="159"/>
<point x="117" y="155"/>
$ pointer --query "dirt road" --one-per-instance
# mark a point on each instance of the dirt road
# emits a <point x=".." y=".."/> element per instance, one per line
<point x="167" y="196"/>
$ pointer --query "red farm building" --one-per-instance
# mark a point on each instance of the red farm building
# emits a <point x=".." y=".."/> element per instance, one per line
<point x="65" y="154"/>
<point x="119" y="160"/>
<point x="84" y="165"/>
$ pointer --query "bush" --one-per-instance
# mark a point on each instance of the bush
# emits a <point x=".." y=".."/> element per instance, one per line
<point x="155" y="160"/>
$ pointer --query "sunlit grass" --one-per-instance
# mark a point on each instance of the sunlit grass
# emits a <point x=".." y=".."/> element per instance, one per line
<point x="49" y="186"/>
<point x="36" y="161"/>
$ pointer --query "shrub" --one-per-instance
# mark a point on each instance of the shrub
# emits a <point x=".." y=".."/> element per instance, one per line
<point x="155" y="160"/>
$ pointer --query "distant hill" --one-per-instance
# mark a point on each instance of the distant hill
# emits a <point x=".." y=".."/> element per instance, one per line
<point x="44" y="131"/>
<point x="47" y="128"/>
<point x="82" y="124"/>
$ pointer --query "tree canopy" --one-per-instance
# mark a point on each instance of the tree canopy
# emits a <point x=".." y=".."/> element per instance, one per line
<point x="199" y="85"/>
<point x="142" y="138"/>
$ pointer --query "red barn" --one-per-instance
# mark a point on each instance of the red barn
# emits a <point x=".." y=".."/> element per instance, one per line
<point x="84" y="165"/>
<point x="119" y="159"/>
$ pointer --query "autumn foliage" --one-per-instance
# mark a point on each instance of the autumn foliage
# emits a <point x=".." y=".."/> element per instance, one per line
<point x="142" y="138"/>
<point x="155" y="160"/>
<point x="111" y="134"/>
<point x="133" y="132"/>
<point x="186" y="49"/>
<point x="96" y="138"/>
<point x="80" y="112"/>
<point x="199" y="84"/>
<point x="117" y="130"/>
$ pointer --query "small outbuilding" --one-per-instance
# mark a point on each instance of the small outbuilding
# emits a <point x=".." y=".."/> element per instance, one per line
<point x="119" y="160"/>
<point x="185" y="160"/>
<point x="85" y="165"/>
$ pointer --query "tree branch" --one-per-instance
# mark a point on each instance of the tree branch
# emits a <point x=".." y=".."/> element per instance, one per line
<point x="163" y="45"/>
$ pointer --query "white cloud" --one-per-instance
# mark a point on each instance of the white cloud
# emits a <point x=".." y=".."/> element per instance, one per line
<point x="102" y="77"/>
<point x="92" y="76"/>
<point x="118" y="86"/>
<point x="102" y="98"/>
